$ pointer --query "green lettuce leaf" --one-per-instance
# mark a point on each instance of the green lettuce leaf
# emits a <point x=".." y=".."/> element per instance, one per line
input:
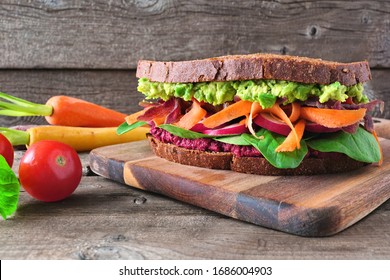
<point x="360" y="146"/>
<point x="234" y="139"/>
<point x="183" y="133"/>
<point x="269" y="142"/>
<point x="9" y="189"/>
<point x="125" y="127"/>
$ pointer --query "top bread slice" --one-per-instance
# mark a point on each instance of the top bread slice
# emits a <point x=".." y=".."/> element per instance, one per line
<point x="255" y="66"/>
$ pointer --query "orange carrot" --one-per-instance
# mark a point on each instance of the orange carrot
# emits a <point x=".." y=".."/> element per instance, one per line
<point x="296" y="112"/>
<point x="380" y="148"/>
<point x="291" y="142"/>
<point x="277" y="111"/>
<point x="244" y="121"/>
<point x="130" y="119"/>
<point x="332" y="118"/>
<point x="62" y="110"/>
<point x="192" y="117"/>
<point x="255" y="109"/>
<point x="238" y="109"/>
<point x="159" y="120"/>
<point x="70" y="111"/>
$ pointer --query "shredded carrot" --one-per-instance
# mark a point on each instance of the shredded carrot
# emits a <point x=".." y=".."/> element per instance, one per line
<point x="278" y="112"/>
<point x="380" y="148"/>
<point x="159" y="120"/>
<point x="130" y="119"/>
<point x="255" y="109"/>
<point x="296" y="112"/>
<point x="332" y="118"/>
<point x="238" y="109"/>
<point x="291" y="142"/>
<point x="192" y="117"/>
<point x="244" y="121"/>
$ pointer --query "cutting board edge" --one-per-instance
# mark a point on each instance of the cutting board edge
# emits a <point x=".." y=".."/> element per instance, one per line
<point x="305" y="221"/>
<point x="233" y="212"/>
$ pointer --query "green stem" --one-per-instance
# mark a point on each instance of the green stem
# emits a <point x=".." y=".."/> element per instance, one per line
<point x="16" y="107"/>
<point x="16" y="137"/>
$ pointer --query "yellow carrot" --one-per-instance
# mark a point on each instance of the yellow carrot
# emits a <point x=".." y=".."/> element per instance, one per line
<point x="82" y="139"/>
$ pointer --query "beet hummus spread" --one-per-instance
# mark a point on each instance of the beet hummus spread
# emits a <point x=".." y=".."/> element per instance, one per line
<point x="204" y="144"/>
<point x="210" y="145"/>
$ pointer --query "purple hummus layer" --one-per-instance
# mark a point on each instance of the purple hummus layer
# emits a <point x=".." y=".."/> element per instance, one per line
<point x="210" y="145"/>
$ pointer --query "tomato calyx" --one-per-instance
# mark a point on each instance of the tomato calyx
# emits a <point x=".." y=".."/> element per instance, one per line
<point x="61" y="160"/>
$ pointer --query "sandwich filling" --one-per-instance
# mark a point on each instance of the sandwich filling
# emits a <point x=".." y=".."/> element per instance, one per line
<point x="282" y="121"/>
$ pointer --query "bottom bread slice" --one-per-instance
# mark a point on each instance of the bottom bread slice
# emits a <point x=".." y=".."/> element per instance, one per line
<point x="251" y="165"/>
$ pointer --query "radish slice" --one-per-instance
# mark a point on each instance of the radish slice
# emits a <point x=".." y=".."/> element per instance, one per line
<point x="232" y="129"/>
<point x="271" y="123"/>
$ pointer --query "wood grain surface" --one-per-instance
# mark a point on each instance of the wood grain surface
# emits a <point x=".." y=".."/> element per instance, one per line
<point x="115" y="34"/>
<point x="105" y="220"/>
<point x="304" y="205"/>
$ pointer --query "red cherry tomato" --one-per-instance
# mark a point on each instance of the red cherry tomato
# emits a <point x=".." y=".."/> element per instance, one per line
<point x="50" y="170"/>
<point x="6" y="150"/>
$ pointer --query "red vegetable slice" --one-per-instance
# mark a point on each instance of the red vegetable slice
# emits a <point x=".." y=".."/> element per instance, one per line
<point x="271" y="123"/>
<point x="232" y="129"/>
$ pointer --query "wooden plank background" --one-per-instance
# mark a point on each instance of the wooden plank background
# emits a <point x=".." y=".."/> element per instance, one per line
<point x="89" y="49"/>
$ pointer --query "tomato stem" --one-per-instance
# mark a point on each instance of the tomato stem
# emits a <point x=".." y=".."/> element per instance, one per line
<point x="16" y="107"/>
<point x="16" y="137"/>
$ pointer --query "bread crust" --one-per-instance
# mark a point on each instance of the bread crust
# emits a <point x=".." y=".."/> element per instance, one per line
<point x="255" y="66"/>
<point x="251" y="165"/>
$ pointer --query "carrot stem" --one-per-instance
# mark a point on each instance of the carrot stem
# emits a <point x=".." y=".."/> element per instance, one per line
<point x="16" y="107"/>
<point x="16" y="137"/>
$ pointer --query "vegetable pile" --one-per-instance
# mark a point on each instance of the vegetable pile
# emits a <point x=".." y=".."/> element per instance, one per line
<point x="50" y="169"/>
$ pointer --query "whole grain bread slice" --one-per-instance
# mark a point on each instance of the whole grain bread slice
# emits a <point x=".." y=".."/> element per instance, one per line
<point x="251" y="165"/>
<point x="255" y="66"/>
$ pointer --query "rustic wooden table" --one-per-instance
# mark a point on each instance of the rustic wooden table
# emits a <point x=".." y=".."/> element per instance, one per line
<point x="107" y="220"/>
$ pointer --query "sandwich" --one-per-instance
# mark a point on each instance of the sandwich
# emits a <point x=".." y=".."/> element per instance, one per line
<point x="263" y="114"/>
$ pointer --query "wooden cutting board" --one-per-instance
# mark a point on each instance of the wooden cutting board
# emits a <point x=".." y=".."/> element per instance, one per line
<point x="319" y="205"/>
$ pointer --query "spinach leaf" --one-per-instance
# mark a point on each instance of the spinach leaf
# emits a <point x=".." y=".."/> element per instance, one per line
<point x="125" y="127"/>
<point x="183" y="133"/>
<point x="360" y="146"/>
<point x="9" y="189"/>
<point x="233" y="139"/>
<point x="269" y="142"/>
